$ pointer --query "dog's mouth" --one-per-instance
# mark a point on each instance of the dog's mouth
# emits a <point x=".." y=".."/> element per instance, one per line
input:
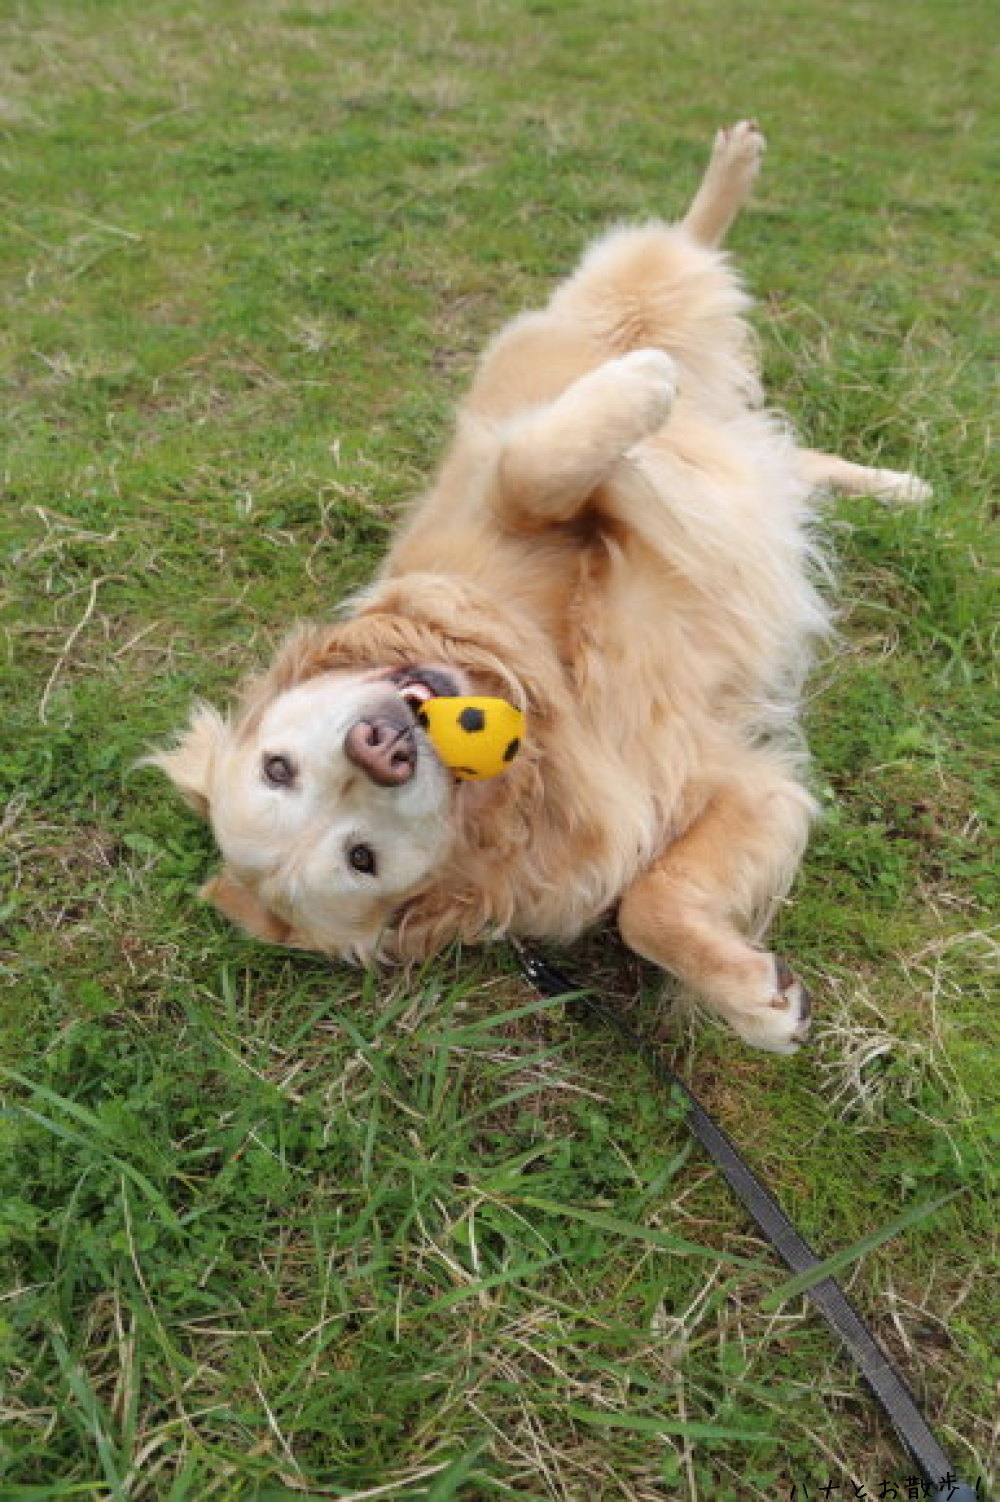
<point x="416" y="685"/>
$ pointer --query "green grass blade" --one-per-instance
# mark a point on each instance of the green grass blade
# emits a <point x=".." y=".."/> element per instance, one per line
<point x="448" y="1484"/>
<point x="663" y="1240"/>
<point x="831" y="1266"/>
<point x="96" y="1421"/>
<point x="522" y="1273"/>
<point x="638" y="1423"/>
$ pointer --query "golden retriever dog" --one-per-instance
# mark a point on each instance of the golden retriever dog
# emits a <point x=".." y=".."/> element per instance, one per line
<point x="618" y="542"/>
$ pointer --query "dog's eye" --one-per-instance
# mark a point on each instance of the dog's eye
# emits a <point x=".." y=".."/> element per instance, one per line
<point x="279" y="771"/>
<point x="362" y="858"/>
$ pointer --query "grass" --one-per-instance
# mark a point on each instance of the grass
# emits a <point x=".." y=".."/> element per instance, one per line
<point x="272" y="1229"/>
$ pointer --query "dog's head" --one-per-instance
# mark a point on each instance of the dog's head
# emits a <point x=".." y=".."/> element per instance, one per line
<point x="340" y="828"/>
<point x="327" y="801"/>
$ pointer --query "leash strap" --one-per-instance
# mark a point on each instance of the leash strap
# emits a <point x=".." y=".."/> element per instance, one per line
<point x="887" y="1384"/>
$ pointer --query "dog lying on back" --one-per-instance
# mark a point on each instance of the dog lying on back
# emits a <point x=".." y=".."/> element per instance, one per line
<point x="618" y="543"/>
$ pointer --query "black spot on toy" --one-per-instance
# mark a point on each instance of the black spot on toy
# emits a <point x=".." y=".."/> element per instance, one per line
<point x="472" y="720"/>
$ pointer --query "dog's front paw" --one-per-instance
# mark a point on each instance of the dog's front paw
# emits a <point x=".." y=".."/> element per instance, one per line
<point x="647" y="379"/>
<point x="899" y="488"/>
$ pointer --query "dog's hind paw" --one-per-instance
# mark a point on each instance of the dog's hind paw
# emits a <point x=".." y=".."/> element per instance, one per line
<point x="780" y="1020"/>
<point x="793" y="996"/>
<point x="739" y="148"/>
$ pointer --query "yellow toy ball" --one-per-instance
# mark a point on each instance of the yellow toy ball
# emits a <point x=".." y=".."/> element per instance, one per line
<point x="476" y="737"/>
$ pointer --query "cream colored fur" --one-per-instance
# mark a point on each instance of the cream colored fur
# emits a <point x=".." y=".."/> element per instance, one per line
<point x="619" y="540"/>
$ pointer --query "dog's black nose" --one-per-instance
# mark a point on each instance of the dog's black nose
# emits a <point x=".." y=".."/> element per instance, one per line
<point x="384" y="747"/>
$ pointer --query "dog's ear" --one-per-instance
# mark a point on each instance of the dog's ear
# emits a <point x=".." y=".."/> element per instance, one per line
<point x="242" y="907"/>
<point x="188" y="764"/>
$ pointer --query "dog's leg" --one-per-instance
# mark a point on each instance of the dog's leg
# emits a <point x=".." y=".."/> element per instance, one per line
<point x="739" y="856"/>
<point x="828" y="472"/>
<point x="726" y="186"/>
<point x="555" y="456"/>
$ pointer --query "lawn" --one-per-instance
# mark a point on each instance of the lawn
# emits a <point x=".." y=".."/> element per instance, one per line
<point x="273" y="1229"/>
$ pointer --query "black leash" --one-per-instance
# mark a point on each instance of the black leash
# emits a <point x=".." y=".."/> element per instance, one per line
<point x="887" y="1384"/>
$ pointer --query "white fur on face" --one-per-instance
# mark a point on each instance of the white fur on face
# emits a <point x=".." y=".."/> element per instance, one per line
<point x="293" y="844"/>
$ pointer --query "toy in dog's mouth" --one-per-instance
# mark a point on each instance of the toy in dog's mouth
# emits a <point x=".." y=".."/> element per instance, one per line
<point x="475" y="735"/>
